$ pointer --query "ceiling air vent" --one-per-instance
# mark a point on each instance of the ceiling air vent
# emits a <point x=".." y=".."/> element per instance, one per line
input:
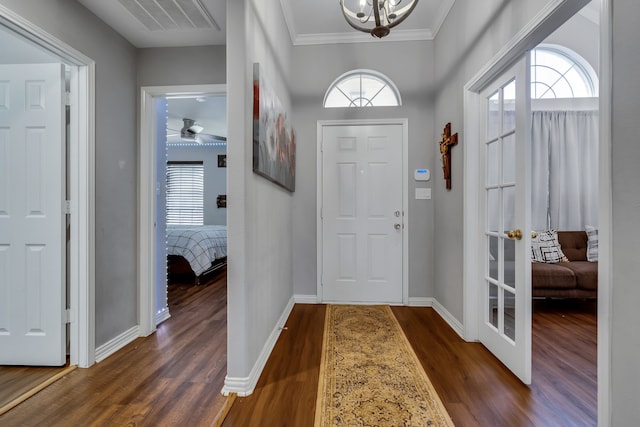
<point x="166" y="15"/>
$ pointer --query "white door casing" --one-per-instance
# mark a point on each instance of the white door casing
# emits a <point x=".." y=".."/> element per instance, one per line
<point x="505" y="297"/>
<point x="362" y="213"/>
<point x="147" y="178"/>
<point x="32" y="189"/>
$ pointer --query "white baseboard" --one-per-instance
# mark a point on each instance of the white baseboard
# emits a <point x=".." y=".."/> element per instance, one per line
<point x="110" y="347"/>
<point x="244" y="386"/>
<point x="162" y="316"/>
<point x="305" y="299"/>
<point x="420" y="302"/>
<point x="449" y="318"/>
<point x="442" y="312"/>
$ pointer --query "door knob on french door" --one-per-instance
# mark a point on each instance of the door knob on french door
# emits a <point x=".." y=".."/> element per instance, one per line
<point x="397" y="226"/>
<point x="515" y="234"/>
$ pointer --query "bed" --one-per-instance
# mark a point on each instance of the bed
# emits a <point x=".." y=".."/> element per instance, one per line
<point x="201" y="249"/>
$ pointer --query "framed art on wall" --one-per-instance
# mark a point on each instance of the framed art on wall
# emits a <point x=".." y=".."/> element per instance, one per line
<point x="274" y="146"/>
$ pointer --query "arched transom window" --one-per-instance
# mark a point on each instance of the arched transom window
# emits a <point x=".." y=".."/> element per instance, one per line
<point x="557" y="72"/>
<point x="362" y="88"/>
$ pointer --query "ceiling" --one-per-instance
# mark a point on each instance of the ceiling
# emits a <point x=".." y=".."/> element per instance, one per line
<point x="210" y="112"/>
<point x="146" y="23"/>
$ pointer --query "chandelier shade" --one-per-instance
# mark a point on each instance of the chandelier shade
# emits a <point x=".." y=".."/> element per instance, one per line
<point x="376" y="17"/>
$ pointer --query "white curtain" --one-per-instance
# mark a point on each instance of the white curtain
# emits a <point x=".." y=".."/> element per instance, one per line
<point x="564" y="170"/>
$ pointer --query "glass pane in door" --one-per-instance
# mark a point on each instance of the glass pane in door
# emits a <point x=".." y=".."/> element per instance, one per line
<point x="500" y="199"/>
<point x="505" y="305"/>
<point x="510" y="314"/>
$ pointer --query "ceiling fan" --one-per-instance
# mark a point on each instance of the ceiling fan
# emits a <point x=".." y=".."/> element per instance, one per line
<point x="193" y="132"/>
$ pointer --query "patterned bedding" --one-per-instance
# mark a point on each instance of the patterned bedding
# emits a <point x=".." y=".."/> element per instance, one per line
<point x="199" y="245"/>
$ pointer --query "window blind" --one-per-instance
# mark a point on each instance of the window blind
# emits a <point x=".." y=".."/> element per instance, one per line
<point x="185" y="193"/>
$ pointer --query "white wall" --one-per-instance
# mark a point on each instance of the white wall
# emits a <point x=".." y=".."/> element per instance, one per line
<point x="410" y="66"/>
<point x="625" y="338"/>
<point x="259" y="219"/>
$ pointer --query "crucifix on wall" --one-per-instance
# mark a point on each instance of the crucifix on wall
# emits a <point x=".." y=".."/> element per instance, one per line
<point x="447" y="142"/>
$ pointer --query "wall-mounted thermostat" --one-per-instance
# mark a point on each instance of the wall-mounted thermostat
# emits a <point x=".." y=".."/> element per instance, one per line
<point x="421" y="175"/>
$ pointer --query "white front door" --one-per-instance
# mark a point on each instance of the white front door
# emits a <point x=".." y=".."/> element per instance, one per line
<point x="32" y="219"/>
<point x="505" y="303"/>
<point x="362" y="213"/>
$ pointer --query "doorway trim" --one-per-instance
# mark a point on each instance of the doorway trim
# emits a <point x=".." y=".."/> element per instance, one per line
<point x="147" y="193"/>
<point x="81" y="183"/>
<point x="547" y="21"/>
<point x="405" y="196"/>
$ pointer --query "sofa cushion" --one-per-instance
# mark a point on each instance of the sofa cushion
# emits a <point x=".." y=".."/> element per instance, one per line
<point x="552" y="276"/>
<point x="586" y="273"/>
<point x="546" y="248"/>
<point x="592" y="243"/>
<point x="573" y="244"/>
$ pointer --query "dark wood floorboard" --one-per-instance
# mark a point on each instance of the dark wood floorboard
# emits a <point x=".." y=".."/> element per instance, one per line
<point x="475" y="387"/>
<point x="286" y="392"/>
<point x="171" y="378"/>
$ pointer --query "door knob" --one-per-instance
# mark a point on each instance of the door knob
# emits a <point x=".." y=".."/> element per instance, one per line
<point x="397" y="226"/>
<point x="515" y="234"/>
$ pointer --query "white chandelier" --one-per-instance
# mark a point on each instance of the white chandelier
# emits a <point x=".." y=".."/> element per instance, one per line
<point x="376" y="17"/>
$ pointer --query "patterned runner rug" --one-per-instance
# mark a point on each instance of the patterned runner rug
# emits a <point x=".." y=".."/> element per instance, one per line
<point x="370" y="375"/>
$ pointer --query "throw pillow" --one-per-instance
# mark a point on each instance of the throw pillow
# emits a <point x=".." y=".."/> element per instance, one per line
<point x="592" y="243"/>
<point x="545" y="248"/>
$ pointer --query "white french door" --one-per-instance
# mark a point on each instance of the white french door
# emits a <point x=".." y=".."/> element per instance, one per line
<point x="505" y="303"/>
<point x="32" y="218"/>
<point x="362" y="213"/>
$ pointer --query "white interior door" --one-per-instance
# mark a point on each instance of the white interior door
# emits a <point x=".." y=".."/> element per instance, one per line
<point x="32" y="237"/>
<point x="362" y="213"/>
<point x="505" y="303"/>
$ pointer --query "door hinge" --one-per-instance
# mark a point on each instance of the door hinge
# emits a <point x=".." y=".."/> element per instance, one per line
<point x="68" y="316"/>
<point x="67" y="99"/>
<point x="67" y="207"/>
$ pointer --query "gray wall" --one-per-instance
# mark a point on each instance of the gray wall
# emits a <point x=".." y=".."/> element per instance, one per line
<point x="580" y="35"/>
<point x="410" y="66"/>
<point x="115" y="188"/>
<point x="625" y="338"/>
<point x="259" y="212"/>
<point x="173" y="66"/>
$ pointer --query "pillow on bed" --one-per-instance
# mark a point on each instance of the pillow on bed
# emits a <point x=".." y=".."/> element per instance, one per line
<point x="545" y="248"/>
<point x="592" y="243"/>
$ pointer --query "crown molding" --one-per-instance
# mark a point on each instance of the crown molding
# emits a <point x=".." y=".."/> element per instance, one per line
<point x="361" y="37"/>
<point x="397" y="35"/>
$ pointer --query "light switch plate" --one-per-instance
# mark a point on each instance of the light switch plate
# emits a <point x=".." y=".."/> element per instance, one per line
<point x="423" y="193"/>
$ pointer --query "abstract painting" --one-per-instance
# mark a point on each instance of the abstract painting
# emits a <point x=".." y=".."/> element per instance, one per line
<point x="274" y="145"/>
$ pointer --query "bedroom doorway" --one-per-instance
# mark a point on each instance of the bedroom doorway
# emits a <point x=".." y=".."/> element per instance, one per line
<point x="191" y="198"/>
<point x="154" y="126"/>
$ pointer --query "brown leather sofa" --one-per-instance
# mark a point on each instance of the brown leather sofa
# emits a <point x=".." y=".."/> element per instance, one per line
<point x="577" y="278"/>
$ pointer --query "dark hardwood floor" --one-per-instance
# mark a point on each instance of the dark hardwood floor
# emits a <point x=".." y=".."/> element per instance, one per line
<point x="474" y="386"/>
<point x="171" y="378"/>
<point x="174" y="376"/>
